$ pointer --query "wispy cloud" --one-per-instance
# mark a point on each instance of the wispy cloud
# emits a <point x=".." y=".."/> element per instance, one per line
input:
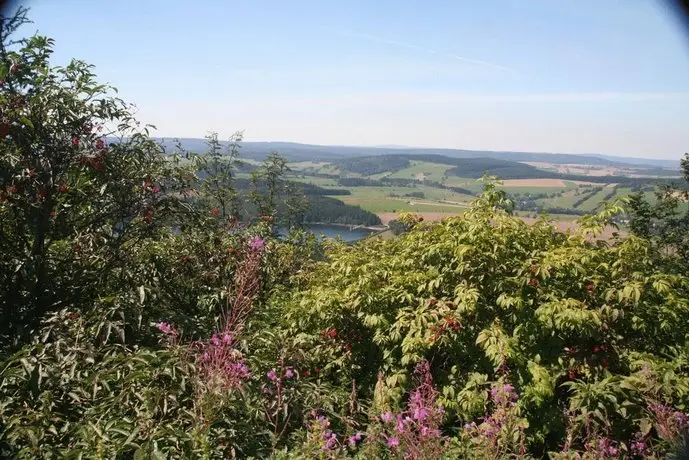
<point x="422" y="49"/>
<point x="458" y="99"/>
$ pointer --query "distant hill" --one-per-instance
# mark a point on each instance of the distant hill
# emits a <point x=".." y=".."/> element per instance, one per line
<point x="475" y="168"/>
<point x="332" y="153"/>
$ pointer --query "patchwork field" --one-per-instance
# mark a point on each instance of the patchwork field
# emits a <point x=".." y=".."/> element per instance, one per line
<point x="422" y="170"/>
<point x="510" y="183"/>
<point x="424" y="185"/>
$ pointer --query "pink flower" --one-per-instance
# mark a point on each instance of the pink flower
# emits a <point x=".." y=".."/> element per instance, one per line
<point x="289" y="373"/>
<point x="272" y="375"/>
<point x="215" y="340"/>
<point x="400" y="425"/>
<point x="387" y="417"/>
<point x="354" y="439"/>
<point x="256" y="243"/>
<point x="331" y="441"/>
<point x="165" y="328"/>
<point x="421" y="414"/>
<point x="226" y="338"/>
<point x="393" y="442"/>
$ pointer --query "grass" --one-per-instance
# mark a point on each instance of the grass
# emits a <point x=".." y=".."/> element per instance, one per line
<point x="377" y="200"/>
<point x="596" y="200"/>
<point x="421" y="170"/>
<point x="320" y="181"/>
<point x="314" y="166"/>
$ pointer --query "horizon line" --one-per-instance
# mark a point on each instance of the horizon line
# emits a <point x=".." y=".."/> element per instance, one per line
<point x="383" y="146"/>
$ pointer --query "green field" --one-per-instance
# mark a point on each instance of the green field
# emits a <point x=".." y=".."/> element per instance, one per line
<point x="596" y="200"/>
<point x="384" y="199"/>
<point x="377" y="199"/>
<point x="421" y="170"/>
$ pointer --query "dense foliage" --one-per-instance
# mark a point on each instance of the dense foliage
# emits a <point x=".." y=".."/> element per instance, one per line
<point x="324" y="209"/>
<point x="147" y="313"/>
<point x="666" y="222"/>
<point x="370" y="165"/>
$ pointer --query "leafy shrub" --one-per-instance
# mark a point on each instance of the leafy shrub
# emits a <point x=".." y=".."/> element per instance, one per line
<point x="143" y="318"/>
<point x="572" y="323"/>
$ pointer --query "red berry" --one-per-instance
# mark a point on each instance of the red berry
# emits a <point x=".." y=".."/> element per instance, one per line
<point x="215" y="212"/>
<point x="596" y="349"/>
<point x="534" y="282"/>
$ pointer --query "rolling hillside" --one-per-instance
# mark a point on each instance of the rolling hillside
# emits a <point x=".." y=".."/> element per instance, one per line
<point x="295" y="152"/>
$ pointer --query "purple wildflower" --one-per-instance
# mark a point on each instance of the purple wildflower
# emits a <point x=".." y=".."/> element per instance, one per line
<point x="400" y="425"/>
<point x="215" y="340"/>
<point x="226" y="338"/>
<point x="393" y="442"/>
<point x="289" y="373"/>
<point x="256" y="243"/>
<point x="165" y="328"/>
<point x="639" y="447"/>
<point x="272" y="375"/>
<point x="421" y="414"/>
<point x="354" y="439"/>
<point x="387" y="417"/>
<point x="331" y="441"/>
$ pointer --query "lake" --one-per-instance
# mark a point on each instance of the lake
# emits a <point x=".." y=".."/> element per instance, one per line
<point x="334" y="231"/>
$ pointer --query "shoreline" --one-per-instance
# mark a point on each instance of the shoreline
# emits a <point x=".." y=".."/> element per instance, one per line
<point x="373" y="228"/>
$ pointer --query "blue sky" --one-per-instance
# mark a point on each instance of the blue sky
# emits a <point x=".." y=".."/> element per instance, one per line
<point x="569" y="76"/>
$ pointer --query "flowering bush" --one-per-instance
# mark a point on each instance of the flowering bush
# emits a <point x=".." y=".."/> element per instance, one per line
<point x="142" y="316"/>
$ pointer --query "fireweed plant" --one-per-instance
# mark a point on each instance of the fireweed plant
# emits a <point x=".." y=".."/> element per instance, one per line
<point x="148" y="308"/>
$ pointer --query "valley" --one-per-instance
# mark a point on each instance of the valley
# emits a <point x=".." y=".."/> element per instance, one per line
<point x="437" y="186"/>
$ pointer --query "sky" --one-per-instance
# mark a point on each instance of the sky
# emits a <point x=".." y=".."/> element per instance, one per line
<point x="568" y="76"/>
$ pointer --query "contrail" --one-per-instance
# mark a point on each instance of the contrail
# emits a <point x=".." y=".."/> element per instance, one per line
<point x="420" y="48"/>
